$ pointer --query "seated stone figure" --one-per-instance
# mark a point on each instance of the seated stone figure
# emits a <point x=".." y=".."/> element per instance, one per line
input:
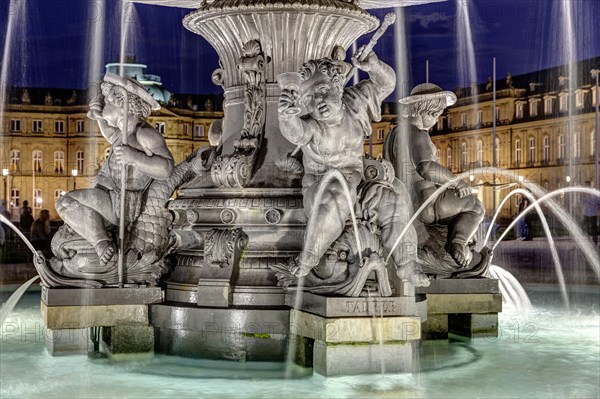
<point x="331" y="137"/>
<point x="87" y="211"/>
<point x="452" y="219"/>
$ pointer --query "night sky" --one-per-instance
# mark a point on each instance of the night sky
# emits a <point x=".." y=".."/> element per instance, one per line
<point x="51" y="43"/>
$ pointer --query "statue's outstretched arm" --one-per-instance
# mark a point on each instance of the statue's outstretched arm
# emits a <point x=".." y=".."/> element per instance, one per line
<point x="380" y="73"/>
<point x="291" y="126"/>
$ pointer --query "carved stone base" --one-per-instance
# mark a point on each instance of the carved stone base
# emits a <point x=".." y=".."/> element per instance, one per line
<point x="332" y="345"/>
<point x="232" y="334"/>
<point x="466" y="308"/>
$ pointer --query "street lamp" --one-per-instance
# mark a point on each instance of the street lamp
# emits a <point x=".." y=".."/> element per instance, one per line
<point x="74" y="173"/>
<point x="595" y="73"/>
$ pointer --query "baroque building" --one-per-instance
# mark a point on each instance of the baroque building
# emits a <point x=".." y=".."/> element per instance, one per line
<point x="545" y="131"/>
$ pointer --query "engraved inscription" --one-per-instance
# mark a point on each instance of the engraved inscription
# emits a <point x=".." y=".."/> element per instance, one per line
<point x="370" y="306"/>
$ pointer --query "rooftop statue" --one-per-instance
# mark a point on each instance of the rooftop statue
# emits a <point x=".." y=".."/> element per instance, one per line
<point x="447" y="225"/>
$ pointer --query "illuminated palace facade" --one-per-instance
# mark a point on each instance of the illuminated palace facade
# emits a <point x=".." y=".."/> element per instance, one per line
<point x="546" y="131"/>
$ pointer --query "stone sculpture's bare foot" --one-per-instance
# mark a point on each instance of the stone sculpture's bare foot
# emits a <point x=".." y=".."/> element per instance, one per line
<point x="298" y="269"/>
<point x="414" y="275"/>
<point x="106" y="251"/>
<point x="460" y="253"/>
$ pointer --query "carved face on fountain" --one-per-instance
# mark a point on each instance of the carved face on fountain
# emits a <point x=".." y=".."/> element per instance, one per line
<point x="322" y="89"/>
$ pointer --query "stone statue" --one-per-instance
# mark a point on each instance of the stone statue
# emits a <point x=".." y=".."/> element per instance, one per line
<point x="25" y="99"/>
<point x="48" y="99"/>
<point x="509" y="81"/>
<point x="451" y="220"/>
<point x="85" y="248"/>
<point x="73" y="99"/>
<point x="489" y="84"/>
<point x="331" y="137"/>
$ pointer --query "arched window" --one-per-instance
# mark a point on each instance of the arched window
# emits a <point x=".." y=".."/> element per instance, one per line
<point x="449" y="158"/>
<point x="438" y="153"/>
<point x="546" y="140"/>
<point x="531" y="150"/>
<point x="518" y="151"/>
<point x="59" y="162"/>
<point x="37" y="158"/>
<point x="463" y="154"/>
<point x="480" y="153"/>
<point x="15" y="160"/>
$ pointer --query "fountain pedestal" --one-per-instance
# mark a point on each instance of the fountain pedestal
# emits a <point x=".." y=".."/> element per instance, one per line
<point x="466" y="308"/>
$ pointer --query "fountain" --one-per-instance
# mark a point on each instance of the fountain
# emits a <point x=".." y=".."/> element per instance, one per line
<point x="219" y="276"/>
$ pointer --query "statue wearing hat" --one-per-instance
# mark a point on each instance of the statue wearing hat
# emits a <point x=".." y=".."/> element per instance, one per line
<point x="447" y="225"/>
<point x="88" y="211"/>
<point x="331" y="136"/>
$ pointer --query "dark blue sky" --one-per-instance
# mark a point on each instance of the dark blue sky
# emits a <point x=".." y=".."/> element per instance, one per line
<point x="51" y="42"/>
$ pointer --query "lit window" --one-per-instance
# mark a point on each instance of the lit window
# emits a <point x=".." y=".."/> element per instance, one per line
<point x="561" y="146"/>
<point x="463" y="154"/>
<point x="593" y="143"/>
<point x="531" y="152"/>
<point x="15" y="197"/>
<point x="380" y="134"/>
<point x="160" y="126"/>
<point x="15" y="159"/>
<point x="518" y="151"/>
<point x="579" y="99"/>
<point x="37" y="198"/>
<point x="186" y="129"/>
<point x="80" y="126"/>
<point x="480" y="153"/>
<point x="548" y="106"/>
<point x="37" y="161"/>
<point x="546" y="148"/>
<point x="59" y="127"/>
<point x="577" y="145"/>
<point x="59" y="162"/>
<point x="463" y="119"/>
<point x="519" y="111"/>
<point x="37" y="126"/>
<point x="15" y="125"/>
<point x="533" y="108"/>
<point x="449" y="158"/>
<point x="497" y="151"/>
<point x="479" y="117"/>
<point x="79" y="160"/>
<point x="199" y="131"/>
<point x="563" y="102"/>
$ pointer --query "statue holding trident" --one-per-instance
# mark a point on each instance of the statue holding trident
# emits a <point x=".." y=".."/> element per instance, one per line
<point x="331" y="137"/>
<point x="138" y="155"/>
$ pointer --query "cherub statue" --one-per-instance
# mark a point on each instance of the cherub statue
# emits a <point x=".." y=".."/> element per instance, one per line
<point x="413" y="155"/>
<point x="331" y="137"/>
<point x="88" y="211"/>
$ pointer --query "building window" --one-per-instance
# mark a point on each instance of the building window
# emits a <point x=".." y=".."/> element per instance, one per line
<point x="531" y="152"/>
<point x="546" y="148"/>
<point x="79" y="160"/>
<point x="593" y="143"/>
<point x="497" y="113"/>
<point x="186" y="129"/>
<point x="463" y="119"/>
<point x="440" y="123"/>
<point x="463" y="154"/>
<point x="519" y="111"/>
<point x="380" y="134"/>
<point x="199" y="131"/>
<point x="80" y="126"/>
<point x="563" y="102"/>
<point x="533" y="108"/>
<point x="15" y="125"/>
<point x="579" y="99"/>
<point x="37" y="126"/>
<point x="438" y="153"/>
<point x="548" y="106"/>
<point x="479" y="117"/>
<point x="577" y="145"/>
<point x="37" y="161"/>
<point x="449" y="121"/>
<point x="518" y="151"/>
<point x="497" y="151"/>
<point x="15" y="159"/>
<point x="15" y="197"/>
<point x="561" y="146"/>
<point x="59" y="127"/>
<point x="480" y="153"/>
<point x="57" y="194"/>
<point x="37" y="198"/>
<point x="449" y="158"/>
<point x="160" y="126"/>
<point x="59" y="162"/>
